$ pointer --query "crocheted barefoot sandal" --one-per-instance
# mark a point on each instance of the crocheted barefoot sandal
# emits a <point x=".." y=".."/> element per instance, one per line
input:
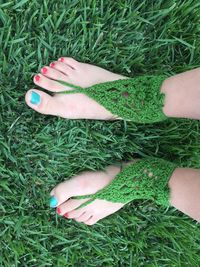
<point x="137" y="99"/>
<point x="144" y="179"/>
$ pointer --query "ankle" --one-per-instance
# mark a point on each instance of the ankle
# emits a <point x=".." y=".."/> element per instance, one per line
<point x="182" y="95"/>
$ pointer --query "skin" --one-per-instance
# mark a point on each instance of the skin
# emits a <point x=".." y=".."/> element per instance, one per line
<point x="182" y="100"/>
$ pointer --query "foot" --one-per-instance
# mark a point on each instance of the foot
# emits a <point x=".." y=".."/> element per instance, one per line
<point x="73" y="106"/>
<point x="85" y="184"/>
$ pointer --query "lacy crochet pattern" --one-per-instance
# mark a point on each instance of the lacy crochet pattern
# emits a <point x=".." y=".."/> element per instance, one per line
<point x="144" y="179"/>
<point x="137" y="99"/>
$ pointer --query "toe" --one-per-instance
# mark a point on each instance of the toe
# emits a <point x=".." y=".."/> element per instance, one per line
<point x="62" y="192"/>
<point x="42" y="102"/>
<point x="92" y="220"/>
<point x="55" y="74"/>
<point x="75" y="213"/>
<point x="79" y="185"/>
<point x="101" y="209"/>
<point x="65" y="190"/>
<point x="49" y="84"/>
<point x="62" y="67"/>
<point x="70" y="205"/>
<point x="74" y="64"/>
<point x="84" y="217"/>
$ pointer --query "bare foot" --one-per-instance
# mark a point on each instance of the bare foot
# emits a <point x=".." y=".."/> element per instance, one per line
<point x="84" y="184"/>
<point x="184" y="185"/>
<point x="182" y="92"/>
<point x="73" y="106"/>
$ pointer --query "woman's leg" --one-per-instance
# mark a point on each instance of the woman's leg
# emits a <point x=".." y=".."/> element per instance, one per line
<point x="182" y="92"/>
<point x="184" y="185"/>
<point x="183" y="95"/>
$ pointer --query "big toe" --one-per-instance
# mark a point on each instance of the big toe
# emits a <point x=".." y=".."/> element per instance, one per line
<point x="43" y="103"/>
<point x="80" y="185"/>
<point x="63" y="192"/>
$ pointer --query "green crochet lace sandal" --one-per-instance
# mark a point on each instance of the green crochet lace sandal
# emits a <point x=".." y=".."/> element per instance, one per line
<point x="136" y="99"/>
<point x="144" y="179"/>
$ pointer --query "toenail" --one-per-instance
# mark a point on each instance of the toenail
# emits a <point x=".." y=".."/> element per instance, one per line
<point x="37" y="78"/>
<point x="58" y="210"/>
<point x="53" y="202"/>
<point x="66" y="215"/>
<point x="61" y="59"/>
<point x="52" y="65"/>
<point x="44" y="70"/>
<point x="35" y="98"/>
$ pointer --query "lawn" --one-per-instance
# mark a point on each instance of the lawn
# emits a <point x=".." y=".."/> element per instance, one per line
<point x="37" y="151"/>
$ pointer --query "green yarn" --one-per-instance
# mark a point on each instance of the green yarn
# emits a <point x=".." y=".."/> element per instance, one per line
<point x="137" y="99"/>
<point x="144" y="179"/>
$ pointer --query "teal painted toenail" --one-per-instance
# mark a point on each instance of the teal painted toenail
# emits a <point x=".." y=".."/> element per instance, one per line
<point x="35" y="98"/>
<point x="53" y="202"/>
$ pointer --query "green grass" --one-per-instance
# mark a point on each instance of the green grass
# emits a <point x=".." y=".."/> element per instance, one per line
<point x="37" y="152"/>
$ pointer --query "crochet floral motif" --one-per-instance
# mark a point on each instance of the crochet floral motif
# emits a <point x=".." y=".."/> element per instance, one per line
<point x="144" y="179"/>
<point x="137" y="99"/>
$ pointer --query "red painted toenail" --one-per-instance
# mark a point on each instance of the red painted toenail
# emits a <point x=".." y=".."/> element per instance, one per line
<point x="52" y="64"/>
<point x="62" y="59"/>
<point x="37" y="78"/>
<point x="44" y="70"/>
<point x="58" y="211"/>
<point x="66" y="215"/>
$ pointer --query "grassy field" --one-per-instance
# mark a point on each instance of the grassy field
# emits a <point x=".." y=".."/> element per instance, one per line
<point x="37" y="151"/>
